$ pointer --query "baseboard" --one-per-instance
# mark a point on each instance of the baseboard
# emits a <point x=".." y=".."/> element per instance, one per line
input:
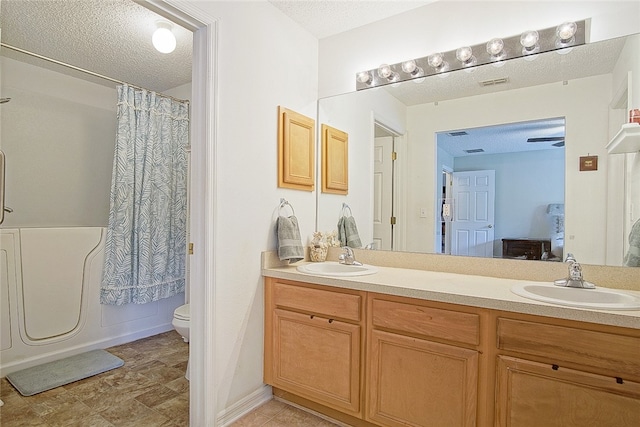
<point x="6" y="369"/>
<point x="236" y="411"/>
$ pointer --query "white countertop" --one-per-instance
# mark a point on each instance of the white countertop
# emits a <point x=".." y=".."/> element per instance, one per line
<point x="477" y="291"/>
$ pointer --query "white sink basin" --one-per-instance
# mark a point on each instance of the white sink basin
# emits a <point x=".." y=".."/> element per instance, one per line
<point x="599" y="298"/>
<point x="335" y="269"/>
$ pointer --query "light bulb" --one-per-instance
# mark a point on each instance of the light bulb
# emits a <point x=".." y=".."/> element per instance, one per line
<point x="495" y="47"/>
<point x="385" y="72"/>
<point x="435" y="60"/>
<point x="529" y="39"/>
<point x="363" y="77"/>
<point x="566" y="31"/>
<point x="163" y="38"/>
<point x="464" y="54"/>
<point x="410" y="67"/>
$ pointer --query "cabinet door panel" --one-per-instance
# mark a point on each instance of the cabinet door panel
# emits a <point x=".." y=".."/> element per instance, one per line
<point x="318" y="358"/>
<point x="413" y="382"/>
<point x="533" y="394"/>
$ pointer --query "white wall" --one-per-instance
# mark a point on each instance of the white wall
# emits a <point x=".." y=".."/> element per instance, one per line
<point x="448" y="24"/>
<point x="58" y="136"/>
<point x="263" y="60"/>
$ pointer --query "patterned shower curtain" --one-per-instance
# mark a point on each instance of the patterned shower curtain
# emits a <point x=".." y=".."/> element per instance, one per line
<point x="145" y="249"/>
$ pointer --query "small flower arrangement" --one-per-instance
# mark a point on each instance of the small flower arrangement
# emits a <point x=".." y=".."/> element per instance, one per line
<point x="320" y="243"/>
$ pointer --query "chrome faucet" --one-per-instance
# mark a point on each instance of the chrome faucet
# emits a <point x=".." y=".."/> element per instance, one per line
<point x="347" y="257"/>
<point x="574" y="279"/>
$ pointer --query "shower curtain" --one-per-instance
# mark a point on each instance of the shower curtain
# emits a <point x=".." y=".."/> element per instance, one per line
<point x="145" y="248"/>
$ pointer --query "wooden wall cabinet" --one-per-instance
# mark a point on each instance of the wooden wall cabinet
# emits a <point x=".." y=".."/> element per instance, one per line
<point x="296" y="148"/>
<point x="335" y="160"/>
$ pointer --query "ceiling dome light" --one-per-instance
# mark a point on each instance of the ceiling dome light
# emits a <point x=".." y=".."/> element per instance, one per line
<point x="163" y="38"/>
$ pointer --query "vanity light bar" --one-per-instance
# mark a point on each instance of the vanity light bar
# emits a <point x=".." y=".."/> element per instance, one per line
<point x="565" y="35"/>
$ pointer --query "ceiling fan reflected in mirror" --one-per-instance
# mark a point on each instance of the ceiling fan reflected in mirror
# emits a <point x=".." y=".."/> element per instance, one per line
<point x="557" y="140"/>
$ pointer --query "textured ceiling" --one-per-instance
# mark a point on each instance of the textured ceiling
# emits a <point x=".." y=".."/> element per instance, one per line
<point x="108" y="37"/>
<point x="324" y="18"/>
<point x="113" y="37"/>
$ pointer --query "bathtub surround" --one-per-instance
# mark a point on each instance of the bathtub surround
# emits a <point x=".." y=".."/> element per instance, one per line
<point x="51" y="309"/>
<point x="146" y="238"/>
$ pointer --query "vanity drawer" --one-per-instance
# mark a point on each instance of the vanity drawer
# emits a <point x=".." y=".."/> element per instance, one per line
<point x="331" y="304"/>
<point x="427" y="321"/>
<point x="611" y="351"/>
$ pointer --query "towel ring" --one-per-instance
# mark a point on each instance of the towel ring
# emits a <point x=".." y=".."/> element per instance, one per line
<point x="344" y="208"/>
<point x="284" y="203"/>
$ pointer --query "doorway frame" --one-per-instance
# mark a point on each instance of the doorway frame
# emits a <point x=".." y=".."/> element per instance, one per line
<point x="202" y="217"/>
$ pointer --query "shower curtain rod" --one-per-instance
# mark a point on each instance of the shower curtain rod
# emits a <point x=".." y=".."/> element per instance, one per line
<point x="82" y="70"/>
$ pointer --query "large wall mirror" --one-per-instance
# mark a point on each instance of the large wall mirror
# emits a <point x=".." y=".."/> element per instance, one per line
<point x="523" y="126"/>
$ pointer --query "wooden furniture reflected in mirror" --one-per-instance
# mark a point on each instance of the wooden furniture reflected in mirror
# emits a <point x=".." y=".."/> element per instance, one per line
<point x="296" y="145"/>
<point x="335" y="160"/>
<point x="525" y="248"/>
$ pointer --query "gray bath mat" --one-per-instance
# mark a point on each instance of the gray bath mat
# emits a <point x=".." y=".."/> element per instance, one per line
<point x="50" y="375"/>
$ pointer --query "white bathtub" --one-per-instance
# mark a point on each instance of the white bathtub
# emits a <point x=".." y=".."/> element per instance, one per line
<point x="50" y="298"/>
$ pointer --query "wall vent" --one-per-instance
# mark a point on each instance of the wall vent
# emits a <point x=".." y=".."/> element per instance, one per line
<point x="475" y="150"/>
<point x="458" y="133"/>
<point x="494" y="82"/>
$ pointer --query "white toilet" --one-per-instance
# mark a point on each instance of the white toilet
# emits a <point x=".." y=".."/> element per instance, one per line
<point x="181" y="319"/>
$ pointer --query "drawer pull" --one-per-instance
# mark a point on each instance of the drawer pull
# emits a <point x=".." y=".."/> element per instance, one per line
<point x="330" y="320"/>
<point x="555" y="367"/>
<point x="619" y="380"/>
<point x="311" y="317"/>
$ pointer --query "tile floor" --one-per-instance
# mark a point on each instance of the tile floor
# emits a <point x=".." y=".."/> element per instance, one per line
<point x="148" y="391"/>
<point x="278" y="414"/>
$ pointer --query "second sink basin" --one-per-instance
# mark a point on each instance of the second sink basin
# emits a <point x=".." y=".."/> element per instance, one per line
<point x="335" y="269"/>
<point x="599" y="298"/>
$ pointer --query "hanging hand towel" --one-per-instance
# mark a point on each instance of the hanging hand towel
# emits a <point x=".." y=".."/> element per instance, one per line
<point x="347" y="230"/>
<point x="632" y="258"/>
<point x="289" y="242"/>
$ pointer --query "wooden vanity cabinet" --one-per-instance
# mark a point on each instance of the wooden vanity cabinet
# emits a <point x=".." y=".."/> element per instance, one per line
<point x="438" y="364"/>
<point x="313" y="343"/>
<point x="566" y="374"/>
<point x="423" y="363"/>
